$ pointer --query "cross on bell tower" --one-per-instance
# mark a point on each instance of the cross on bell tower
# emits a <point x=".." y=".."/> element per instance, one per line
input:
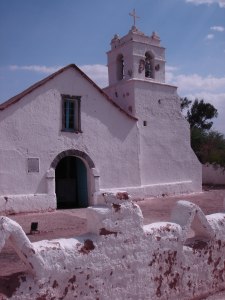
<point x="133" y="14"/>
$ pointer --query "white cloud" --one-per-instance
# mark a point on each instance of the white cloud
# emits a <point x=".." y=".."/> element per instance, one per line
<point x="217" y="28"/>
<point x="170" y="72"/>
<point x="198" y="83"/>
<point x="171" y="68"/>
<point x="209" y="36"/>
<point x="221" y="3"/>
<point x="98" y="73"/>
<point x="35" y="68"/>
<point x="209" y="88"/>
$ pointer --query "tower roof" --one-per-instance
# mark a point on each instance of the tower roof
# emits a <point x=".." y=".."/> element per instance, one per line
<point x="136" y="35"/>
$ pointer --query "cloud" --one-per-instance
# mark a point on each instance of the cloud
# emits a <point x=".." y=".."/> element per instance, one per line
<point x="217" y="28"/>
<point x="198" y="83"/>
<point x="170" y="70"/>
<point x="98" y="73"/>
<point x="209" y="36"/>
<point x="221" y="3"/>
<point x="35" y="68"/>
<point x="209" y="88"/>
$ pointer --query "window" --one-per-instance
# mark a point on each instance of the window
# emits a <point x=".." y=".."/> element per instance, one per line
<point x="71" y="113"/>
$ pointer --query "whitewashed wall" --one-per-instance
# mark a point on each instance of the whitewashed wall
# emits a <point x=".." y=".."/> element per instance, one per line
<point x="122" y="259"/>
<point x="32" y="128"/>
<point x="212" y="174"/>
<point x="165" y="141"/>
<point x="168" y="164"/>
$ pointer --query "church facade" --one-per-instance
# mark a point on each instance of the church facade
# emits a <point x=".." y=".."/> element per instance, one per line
<point x="64" y="141"/>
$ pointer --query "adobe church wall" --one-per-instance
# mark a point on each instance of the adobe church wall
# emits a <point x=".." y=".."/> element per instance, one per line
<point x="32" y="128"/>
<point x="165" y="139"/>
<point x="123" y="259"/>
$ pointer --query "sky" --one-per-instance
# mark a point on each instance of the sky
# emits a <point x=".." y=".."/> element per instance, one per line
<point x="38" y="37"/>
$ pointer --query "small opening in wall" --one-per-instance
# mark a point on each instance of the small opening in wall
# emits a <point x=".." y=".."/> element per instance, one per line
<point x="116" y="94"/>
<point x="144" y="123"/>
<point x="34" y="228"/>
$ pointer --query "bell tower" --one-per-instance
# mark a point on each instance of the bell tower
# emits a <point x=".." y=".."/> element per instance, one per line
<point x="134" y="57"/>
<point x="136" y="68"/>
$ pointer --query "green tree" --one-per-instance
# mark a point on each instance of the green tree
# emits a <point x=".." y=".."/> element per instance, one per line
<point x="208" y="145"/>
<point x="200" y="115"/>
<point x="185" y="103"/>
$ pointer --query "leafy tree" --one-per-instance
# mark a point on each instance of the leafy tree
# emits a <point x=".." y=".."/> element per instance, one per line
<point x="208" y="145"/>
<point x="200" y="113"/>
<point x="185" y="103"/>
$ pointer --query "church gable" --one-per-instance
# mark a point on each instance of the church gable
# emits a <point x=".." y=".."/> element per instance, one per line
<point x="65" y="112"/>
<point x="65" y="102"/>
<point x="50" y="80"/>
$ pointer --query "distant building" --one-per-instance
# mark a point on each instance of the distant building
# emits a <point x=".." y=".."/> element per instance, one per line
<point x="64" y="140"/>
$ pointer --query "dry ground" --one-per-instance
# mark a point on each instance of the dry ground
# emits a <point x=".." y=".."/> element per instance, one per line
<point x="69" y="223"/>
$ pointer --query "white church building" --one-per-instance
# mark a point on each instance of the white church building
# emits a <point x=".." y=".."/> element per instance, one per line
<point x="64" y="141"/>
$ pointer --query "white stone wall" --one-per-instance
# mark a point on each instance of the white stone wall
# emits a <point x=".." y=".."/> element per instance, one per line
<point x="212" y="174"/>
<point x="168" y="164"/>
<point x="166" y="155"/>
<point x="122" y="259"/>
<point x="31" y="128"/>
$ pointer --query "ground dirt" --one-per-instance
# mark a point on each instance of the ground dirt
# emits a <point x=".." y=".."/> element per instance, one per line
<point x="72" y="222"/>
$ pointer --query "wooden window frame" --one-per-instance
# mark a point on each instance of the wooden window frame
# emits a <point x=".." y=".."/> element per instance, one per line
<point x="76" y="123"/>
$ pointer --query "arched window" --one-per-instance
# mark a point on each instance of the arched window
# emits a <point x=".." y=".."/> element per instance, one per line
<point x="120" y="67"/>
<point x="149" y="65"/>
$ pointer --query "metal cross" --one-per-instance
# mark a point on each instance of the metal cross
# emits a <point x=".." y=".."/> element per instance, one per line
<point x="133" y="14"/>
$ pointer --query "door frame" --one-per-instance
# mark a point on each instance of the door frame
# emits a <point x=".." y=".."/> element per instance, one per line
<point x="92" y="173"/>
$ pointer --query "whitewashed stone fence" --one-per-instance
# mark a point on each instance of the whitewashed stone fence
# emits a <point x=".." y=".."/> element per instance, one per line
<point x="123" y="259"/>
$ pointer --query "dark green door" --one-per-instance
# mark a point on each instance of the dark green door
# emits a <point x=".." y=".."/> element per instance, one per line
<point x="71" y="183"/>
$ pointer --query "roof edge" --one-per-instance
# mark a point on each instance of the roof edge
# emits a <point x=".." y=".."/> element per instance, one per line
<point x="38" y="84"/>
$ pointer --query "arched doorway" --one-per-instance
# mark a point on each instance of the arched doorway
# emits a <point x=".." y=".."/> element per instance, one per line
<point x="71" y="183"/>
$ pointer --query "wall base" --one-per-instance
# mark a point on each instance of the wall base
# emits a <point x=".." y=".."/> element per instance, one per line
<point x="155" y="190"/>
<point x="14" y="204"/>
